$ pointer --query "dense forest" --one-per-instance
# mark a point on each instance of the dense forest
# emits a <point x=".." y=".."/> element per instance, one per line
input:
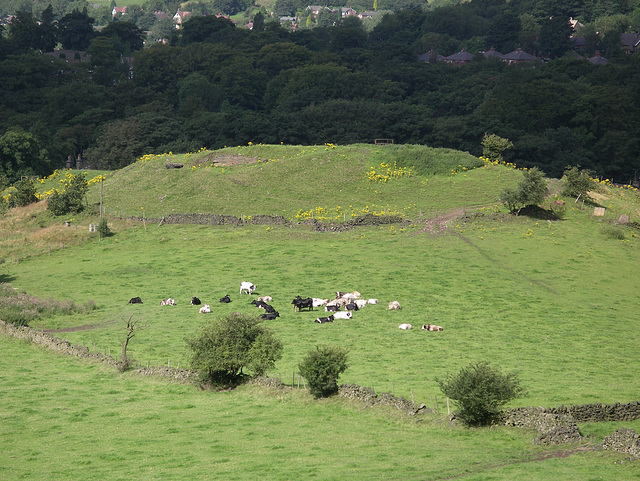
<point x="214" y="83"/>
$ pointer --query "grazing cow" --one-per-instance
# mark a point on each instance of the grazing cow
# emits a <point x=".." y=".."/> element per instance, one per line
<point x="265" y="298"/>
<point x="247" y="287"/>
<point x="372" y="301"/>
<point x="300" y="303"/>
<point x="168" y="302"/>
<point x="343" y="315"/>
<point x="322" y="320"/>
<point x="331" y="308"/>
<point x="319" y="302"/>
<point x="361" y="303"/>
<point x="195" y="301"/>
<point x="351" y="307"/>
<point x="405" y="327"/>
<point x="135" y="300"/>
<point x="431" y="327"/>
<point x="269" y="316"/>
<point x="394" y="306"/>
<point x="205" y="309"/>
<point x="226" y="299"/>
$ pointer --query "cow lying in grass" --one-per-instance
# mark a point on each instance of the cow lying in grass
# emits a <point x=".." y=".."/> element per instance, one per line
<point x="168" y="302"/>
<point x="405" y="327"/>
<point x="323" y="320"/>
<point x="431" y="327"/>
<point x="205" y="309"/>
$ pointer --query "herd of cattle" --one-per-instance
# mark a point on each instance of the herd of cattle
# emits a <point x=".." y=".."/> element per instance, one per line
<point x="349" y="301"/>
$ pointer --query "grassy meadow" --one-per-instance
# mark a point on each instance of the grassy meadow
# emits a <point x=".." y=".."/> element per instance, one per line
<point x="554" y="301"/>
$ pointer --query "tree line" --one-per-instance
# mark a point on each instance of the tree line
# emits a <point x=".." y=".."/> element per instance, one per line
<point x="215" y="84"/>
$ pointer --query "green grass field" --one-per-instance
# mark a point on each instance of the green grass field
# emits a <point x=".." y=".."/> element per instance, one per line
<point x="554" y="301"/>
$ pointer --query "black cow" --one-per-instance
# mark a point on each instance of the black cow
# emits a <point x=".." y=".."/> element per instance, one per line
<point x="351" y="307"/>
<point x="269" y="316"/>
<point x="332" y="308"/>
<point x="135" y="300"/>
<point x="226" y="299"/>
<point x="259" y="304"/>
<point x="322" y="320"/>
<point x="195" y="301"/>
<point x="268" y="308"/>
<point x="300" y="303"/>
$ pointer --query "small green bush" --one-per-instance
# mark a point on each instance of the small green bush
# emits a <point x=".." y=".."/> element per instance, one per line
<point x="531" y="190"/>
<point x="69" y="201"/>
<point x="103" y="228"/>
<point x="227" y="345"/>
<point x="576" y="182"/>
<point x="24" y="194"/>
<point x="480" y="390"/>
<point x="321" y="367"/>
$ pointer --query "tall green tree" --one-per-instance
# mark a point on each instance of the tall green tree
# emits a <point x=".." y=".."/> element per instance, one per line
<point x="76" y="30"/>
<point x="21" y="154"/>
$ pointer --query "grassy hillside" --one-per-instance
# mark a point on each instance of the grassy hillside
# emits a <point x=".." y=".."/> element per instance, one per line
<point x="554" y="301"/>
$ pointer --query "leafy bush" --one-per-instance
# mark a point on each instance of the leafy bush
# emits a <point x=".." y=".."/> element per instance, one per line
<point x="69" y="201"/>
<point x="531" y="190"/>
<point x="227" y="345"/>
<point x="321" y="367"/>
<point x="24" y="194"/>
<point x="493" y="146"/>
<point x="103" y="228"/>
<point x="480" y="390"/>
<point x="576" y="182"/>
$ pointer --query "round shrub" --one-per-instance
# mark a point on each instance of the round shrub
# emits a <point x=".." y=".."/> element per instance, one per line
<point x="321" y="367"/>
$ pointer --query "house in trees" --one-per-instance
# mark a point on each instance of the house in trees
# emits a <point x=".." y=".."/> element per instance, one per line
<point x="364" y="15"/>
<point x="630" y="42"/>
<point x="315" y="10"/>
<point x="598" y="59"/>
<point x="118" y="11"/>
<point x="492" y="53"/>
<point x="430" y="57"/>
<point x="517" y="56"/>
<point x="180" y="17"/>
<point x="459" y="58"/>
<point x="348" y="12"/>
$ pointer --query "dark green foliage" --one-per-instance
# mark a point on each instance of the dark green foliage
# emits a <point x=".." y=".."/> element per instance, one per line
<point x="577" y="182"/>
<point x="70" y="200"/>
<point x="24" y="193"/>
<point x="103" y="228"/>
<point x="227" y="345"/>
<point x="321" y="368"/>
<point x="480" y="390"/>
<point x="531" y="190"/>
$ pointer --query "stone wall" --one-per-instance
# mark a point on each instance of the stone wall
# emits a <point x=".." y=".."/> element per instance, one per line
<point x="625" y="441"/>
<point x="553" y="428"/>
<point x="368" y="396"/>
<point x="65" y="347"/>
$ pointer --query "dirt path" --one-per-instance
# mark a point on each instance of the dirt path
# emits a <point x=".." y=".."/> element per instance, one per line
<point x="438" y="224"/>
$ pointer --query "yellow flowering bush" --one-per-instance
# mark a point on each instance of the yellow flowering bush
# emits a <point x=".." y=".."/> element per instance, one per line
<point x="387" y="172"/>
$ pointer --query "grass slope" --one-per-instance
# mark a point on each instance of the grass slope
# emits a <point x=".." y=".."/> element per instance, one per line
<point x="554" y="301"/>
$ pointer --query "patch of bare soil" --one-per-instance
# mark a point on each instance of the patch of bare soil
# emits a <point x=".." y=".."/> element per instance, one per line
<point x="439" y="224"/>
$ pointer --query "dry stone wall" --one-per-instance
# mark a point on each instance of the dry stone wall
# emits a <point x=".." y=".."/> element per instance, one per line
<point x="625" y="441"/>
<point x="368" y="396"/>
<point x="65" y="347"/>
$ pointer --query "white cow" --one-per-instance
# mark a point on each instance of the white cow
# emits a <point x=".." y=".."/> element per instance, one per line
<point x="168" y="302"/>
<point x="205" y="309"/>
<point x="431" y="327"/>
<point x="319" y="302"/>
<point x="265" y="298"/>
<point x="394" y="306"/>
<point x="248" y="287"/>
<point x="342" y="315"/>
<point x="405" y="327"/>
<point x="372" y="301"/>
<point x="361" y="303"/>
